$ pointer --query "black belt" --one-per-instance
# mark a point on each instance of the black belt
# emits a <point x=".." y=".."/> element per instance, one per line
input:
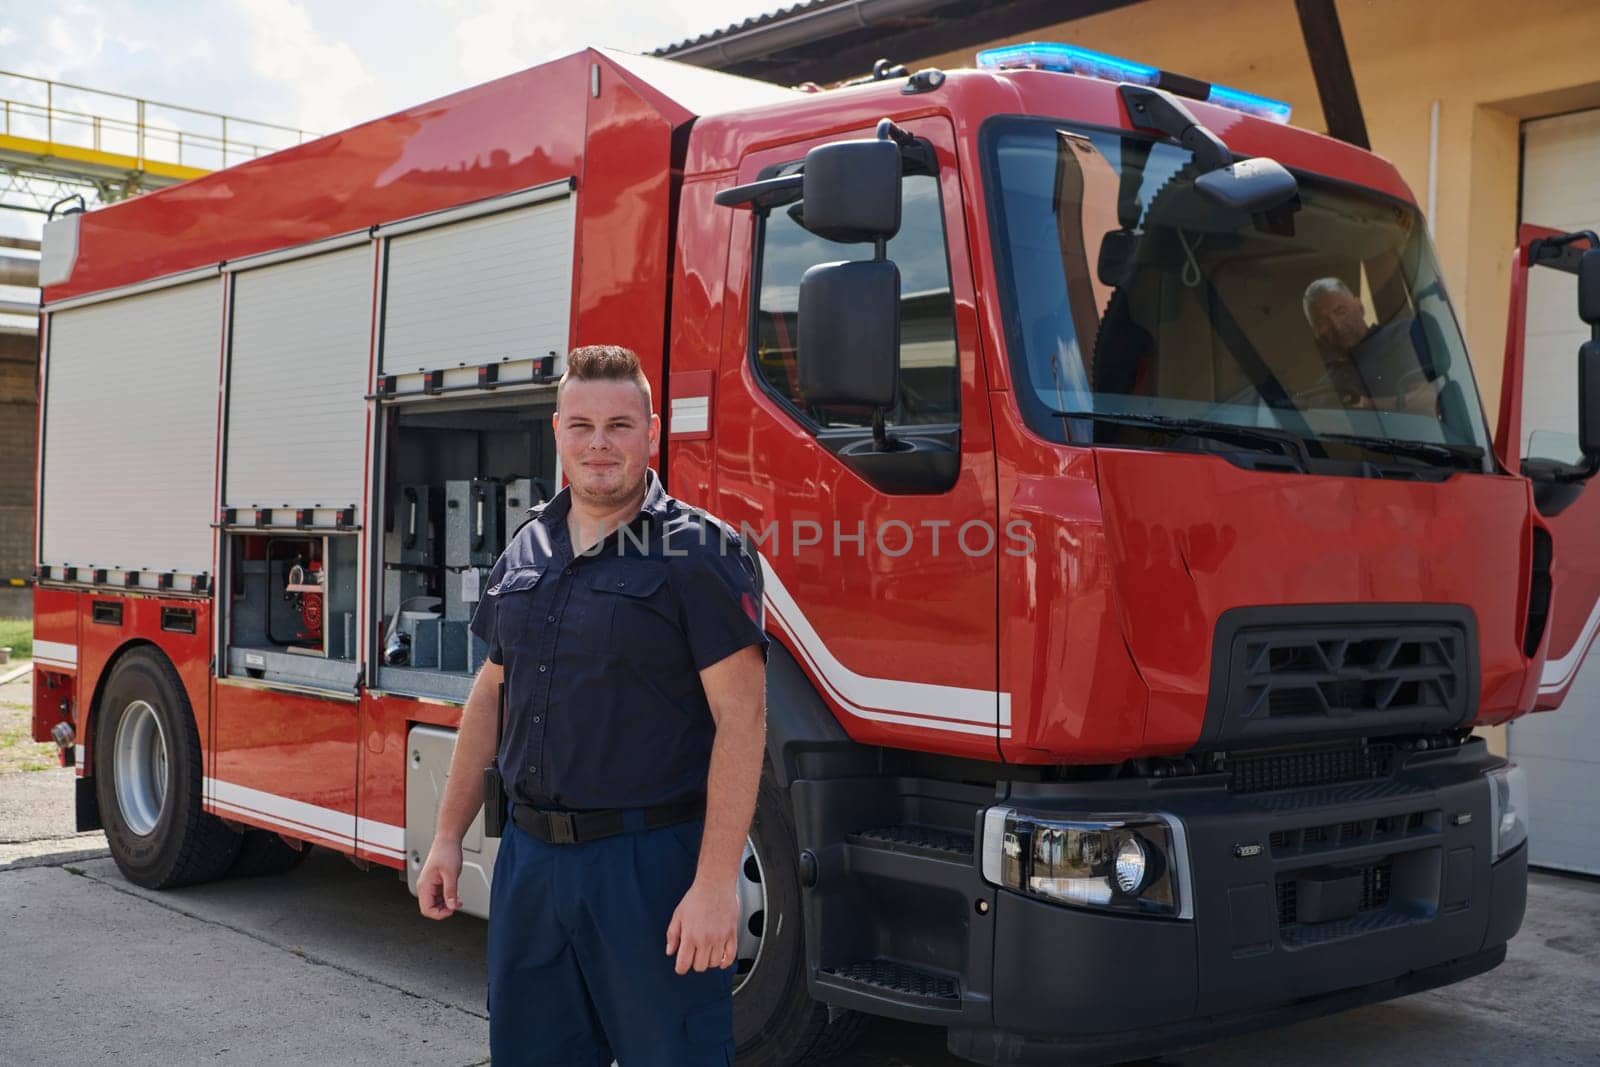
<point x="574" y="827"/>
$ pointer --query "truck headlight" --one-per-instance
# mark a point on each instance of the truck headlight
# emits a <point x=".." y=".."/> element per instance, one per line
<point x="1508" y="809"/>
<point x="1128" y="863"/>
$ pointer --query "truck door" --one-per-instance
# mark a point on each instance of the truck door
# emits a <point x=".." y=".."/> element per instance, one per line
<point x="880" y="574"/>
<point x="1538" y="435"/>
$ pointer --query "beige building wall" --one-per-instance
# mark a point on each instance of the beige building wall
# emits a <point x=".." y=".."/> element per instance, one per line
<point x="1488" y="63"/>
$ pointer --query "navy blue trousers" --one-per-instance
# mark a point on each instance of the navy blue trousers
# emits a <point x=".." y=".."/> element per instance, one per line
<point x="578" y="970"/>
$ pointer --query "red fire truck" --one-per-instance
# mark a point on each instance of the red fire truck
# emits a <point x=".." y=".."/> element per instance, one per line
<point x="1139" y="560"/>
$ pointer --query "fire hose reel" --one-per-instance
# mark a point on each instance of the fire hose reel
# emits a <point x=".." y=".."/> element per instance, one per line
<point x="304" y="591"/>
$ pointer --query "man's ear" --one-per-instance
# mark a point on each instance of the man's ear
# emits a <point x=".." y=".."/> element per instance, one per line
<point x="655" y="432"/>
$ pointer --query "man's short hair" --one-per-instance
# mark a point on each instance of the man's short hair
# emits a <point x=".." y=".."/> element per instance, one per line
<point x="604" y="363"/>
<point x="1320" y="288"/>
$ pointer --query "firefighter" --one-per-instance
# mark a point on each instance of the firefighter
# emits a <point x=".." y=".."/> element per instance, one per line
<point x="1371" y="366"/>
<point x="626" y="628"/>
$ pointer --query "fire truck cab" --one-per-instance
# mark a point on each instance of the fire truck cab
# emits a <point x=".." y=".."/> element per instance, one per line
<point x="1138" y="555"/>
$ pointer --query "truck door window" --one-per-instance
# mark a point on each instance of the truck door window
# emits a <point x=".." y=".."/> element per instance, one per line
<point x="929" y="379"/>
<point x="1551" y="335"/>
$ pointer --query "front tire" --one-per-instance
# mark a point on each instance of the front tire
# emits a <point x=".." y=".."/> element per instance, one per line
<point x="775" y="1021"/>
<point x="150" y="779"/>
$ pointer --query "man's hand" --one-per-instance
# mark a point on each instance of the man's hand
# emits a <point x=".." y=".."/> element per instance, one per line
<point x="704" y="931"/>
<point x="436" y="885"/>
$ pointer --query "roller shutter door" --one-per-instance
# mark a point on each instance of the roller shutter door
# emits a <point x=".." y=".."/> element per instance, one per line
<point x="1561" y="750"/>
<point x="480" y="291"/>
<point x="130" y="432"/>
<point x="297" y="383"/>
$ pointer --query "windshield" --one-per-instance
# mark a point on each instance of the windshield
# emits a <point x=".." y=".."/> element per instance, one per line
<point x="1132" y="299"/>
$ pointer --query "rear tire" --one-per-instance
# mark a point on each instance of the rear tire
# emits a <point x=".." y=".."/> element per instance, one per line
<point x="263" y="853"/>
<point x="775" y="1021"/>
<point x="149" y="779"/>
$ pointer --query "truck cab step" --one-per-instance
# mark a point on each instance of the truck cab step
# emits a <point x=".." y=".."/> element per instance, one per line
<point x="905" y="982"/>
<point x="930" y="841"/>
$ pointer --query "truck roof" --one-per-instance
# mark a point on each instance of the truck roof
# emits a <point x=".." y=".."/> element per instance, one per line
<point x="970" y="96"/>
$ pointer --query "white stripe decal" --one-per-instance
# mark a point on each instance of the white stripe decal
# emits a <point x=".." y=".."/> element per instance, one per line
<point x="41" y="662"/>
<point x="690" y="414"/>
<point x="1559" y="672"/>
<point x="297" y="814"/>
<point x="382" y="835"/>
<point x="939" y="707"/>
<point x="56" y="652"/>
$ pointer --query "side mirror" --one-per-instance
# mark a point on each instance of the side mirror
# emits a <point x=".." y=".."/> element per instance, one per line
<point x="1589" y="287"/>
<point x="851" y="190"/>
<point x="1589" y="401"/>
<point x="1589" y="358"/>
<point x="1253" y="186"/>
<point x="849" y="333"/>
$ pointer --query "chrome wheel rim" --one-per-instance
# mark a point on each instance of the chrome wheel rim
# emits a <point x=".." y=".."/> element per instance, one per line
<point x="752" y="915"/>
<point x="141" y="767"/>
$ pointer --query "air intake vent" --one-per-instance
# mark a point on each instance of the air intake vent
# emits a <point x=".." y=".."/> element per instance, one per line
<point x="1285" y="674"/>
<point x="1265" y="772"/>
<point x="1538" y="592"/>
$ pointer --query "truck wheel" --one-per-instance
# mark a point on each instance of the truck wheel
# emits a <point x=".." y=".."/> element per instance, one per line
<point x="149" y="779"/>
<point x="775" y="1021"/>
<point x="263" y="853"/>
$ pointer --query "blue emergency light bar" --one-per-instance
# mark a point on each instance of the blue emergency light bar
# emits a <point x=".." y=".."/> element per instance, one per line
<point x="1071" y="59"/>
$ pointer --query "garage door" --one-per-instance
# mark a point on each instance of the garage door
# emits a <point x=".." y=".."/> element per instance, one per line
<point x="1561" y="750"/>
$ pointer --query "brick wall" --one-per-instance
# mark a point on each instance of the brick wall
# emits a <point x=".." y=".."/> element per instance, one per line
<point x="19" y="361"/>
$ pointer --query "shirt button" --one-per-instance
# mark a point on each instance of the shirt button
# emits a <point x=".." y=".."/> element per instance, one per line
<point x="536" y="718"/>
<point x="541" y="668"/>
<point x="549" y="618"/>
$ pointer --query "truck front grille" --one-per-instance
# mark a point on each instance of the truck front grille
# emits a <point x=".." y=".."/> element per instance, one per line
<point x="1284" y="674"/>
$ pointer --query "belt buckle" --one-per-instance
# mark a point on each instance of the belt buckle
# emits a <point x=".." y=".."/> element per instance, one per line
<point x="562" y="826"/>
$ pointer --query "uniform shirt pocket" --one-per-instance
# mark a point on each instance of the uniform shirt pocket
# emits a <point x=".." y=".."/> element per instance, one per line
<point x="512" y="597"/>
<point x="633" y="612"/>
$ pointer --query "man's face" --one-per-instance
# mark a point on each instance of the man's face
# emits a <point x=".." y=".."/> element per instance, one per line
<point x="1338" y="320"/>
<point x="606" y="436"/>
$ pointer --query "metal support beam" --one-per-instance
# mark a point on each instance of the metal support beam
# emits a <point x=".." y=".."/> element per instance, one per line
<point x="1330" y="66"/>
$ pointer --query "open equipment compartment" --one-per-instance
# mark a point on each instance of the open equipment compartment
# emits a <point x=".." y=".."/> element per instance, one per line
<point x="460" y="475"/>
<point x="292" y="607"/>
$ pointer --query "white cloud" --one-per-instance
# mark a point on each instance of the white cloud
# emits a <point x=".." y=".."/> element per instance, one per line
<point x="323" y="77"/>
<point x="73" y="38"/>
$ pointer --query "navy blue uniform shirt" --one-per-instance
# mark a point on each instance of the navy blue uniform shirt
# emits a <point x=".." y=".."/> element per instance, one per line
<point x="602" y="652"/>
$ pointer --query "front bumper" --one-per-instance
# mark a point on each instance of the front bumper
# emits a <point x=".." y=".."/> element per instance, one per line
<point x="1077" y="985"/>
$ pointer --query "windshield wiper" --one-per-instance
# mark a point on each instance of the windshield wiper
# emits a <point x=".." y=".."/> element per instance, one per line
<point x="1259" y="437"/>
<point x="1437" y="451"/>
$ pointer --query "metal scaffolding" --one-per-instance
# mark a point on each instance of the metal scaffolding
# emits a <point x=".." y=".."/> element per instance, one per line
<point x="59" y="140"/>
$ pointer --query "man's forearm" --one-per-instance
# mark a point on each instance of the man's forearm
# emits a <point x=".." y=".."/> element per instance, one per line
<point x="475" y="747"/>
<point x="731" y="793"/>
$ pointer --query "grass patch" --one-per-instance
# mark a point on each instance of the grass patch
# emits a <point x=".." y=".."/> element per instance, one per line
<point x="18" y="750"/>
<point x="18" y="633"/>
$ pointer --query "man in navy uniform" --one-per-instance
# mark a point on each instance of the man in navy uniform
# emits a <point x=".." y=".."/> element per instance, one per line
<point x="626" y="629"/>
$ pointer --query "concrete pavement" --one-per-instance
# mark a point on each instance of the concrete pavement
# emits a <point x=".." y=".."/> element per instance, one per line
<point x="332" y="964"/>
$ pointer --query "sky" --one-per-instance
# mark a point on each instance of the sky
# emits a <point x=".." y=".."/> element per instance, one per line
<point x="320" y="65"/>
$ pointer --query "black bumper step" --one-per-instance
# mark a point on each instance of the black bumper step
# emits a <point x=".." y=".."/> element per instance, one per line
<point x="918" y="841"/>
<point x="906" y="981"/>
